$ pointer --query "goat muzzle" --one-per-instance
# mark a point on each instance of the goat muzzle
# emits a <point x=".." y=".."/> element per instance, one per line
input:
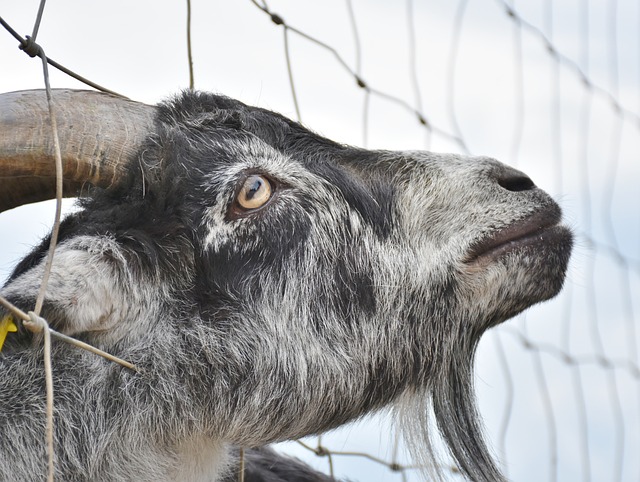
<point x="99" y="136"/>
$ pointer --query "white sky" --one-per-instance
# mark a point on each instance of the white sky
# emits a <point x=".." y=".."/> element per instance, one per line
<point x="139" y="49"/>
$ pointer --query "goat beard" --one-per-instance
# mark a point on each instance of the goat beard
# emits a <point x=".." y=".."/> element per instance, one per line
<point x="450" y="410"/>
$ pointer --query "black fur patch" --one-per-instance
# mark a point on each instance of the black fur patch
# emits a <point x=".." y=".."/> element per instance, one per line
<point x="265" y="465"/>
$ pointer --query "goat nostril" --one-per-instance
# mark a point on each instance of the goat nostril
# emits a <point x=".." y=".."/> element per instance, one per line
<point x="516" y="183"/>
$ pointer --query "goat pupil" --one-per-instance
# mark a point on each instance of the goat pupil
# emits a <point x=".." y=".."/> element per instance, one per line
<point x="256" y="191"/>
<point x="256" y="185"/>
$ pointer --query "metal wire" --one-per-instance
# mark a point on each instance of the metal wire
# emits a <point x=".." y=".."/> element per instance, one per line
<point x="189" y="50"/>
<point x="43" y="325"/>
<point x="34" y="322"/>
<point x="621" y="365"/>
<point x="24" y="45"/>
<point x="360" y="82"/>
<point x="589" y="84"/>
<point x="576" y="363"/>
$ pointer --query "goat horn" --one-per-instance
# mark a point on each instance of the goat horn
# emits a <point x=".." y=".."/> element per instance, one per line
<point x="99" y="134"/>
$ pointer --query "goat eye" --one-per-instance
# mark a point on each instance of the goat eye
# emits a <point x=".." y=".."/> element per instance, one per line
<point x="255" y="192"/>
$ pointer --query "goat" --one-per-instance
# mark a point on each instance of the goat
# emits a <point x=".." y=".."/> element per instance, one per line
<point x="267" y="282"/>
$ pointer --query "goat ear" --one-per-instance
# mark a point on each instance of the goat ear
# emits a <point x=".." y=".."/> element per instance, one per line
<point x="99" y="135"/>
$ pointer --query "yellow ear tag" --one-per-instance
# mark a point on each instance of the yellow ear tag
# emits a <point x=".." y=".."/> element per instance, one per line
<point x="6" y="325"/>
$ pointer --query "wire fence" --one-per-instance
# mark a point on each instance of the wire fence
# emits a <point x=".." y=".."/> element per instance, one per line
<point x="550" y="87"/>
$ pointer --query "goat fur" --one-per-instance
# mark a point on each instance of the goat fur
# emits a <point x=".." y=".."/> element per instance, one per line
<point x="350" y="291"/>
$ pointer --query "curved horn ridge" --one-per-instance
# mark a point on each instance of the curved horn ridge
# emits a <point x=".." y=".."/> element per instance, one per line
<point x="99" y="135"/>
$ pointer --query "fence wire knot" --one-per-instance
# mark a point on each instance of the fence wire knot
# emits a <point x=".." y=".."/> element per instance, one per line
<point x="30" y="47"/>
<point x="36" y="323"/>
<point x="321" y="451"/>
<point x="361" y="83"/>
<point x="277" y="19"/>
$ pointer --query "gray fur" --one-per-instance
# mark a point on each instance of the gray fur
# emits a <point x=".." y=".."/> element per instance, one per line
<point x="349" y="292"/>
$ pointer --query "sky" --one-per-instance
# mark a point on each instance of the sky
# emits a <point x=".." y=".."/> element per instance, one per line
<point x="551" y="90"/>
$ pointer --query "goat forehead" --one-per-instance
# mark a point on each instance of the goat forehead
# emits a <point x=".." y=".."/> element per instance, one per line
<point x="254" y="137"/>
<point x="247" y="132"/>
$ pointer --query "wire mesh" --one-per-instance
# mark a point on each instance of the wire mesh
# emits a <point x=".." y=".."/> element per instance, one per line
<point x="550" y="87"/>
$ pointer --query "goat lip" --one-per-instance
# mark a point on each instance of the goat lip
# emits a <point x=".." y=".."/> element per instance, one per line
<point x="538" y="228"/>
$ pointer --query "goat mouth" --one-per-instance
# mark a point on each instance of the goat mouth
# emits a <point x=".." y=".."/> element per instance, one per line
<point x="541" y="229"/>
